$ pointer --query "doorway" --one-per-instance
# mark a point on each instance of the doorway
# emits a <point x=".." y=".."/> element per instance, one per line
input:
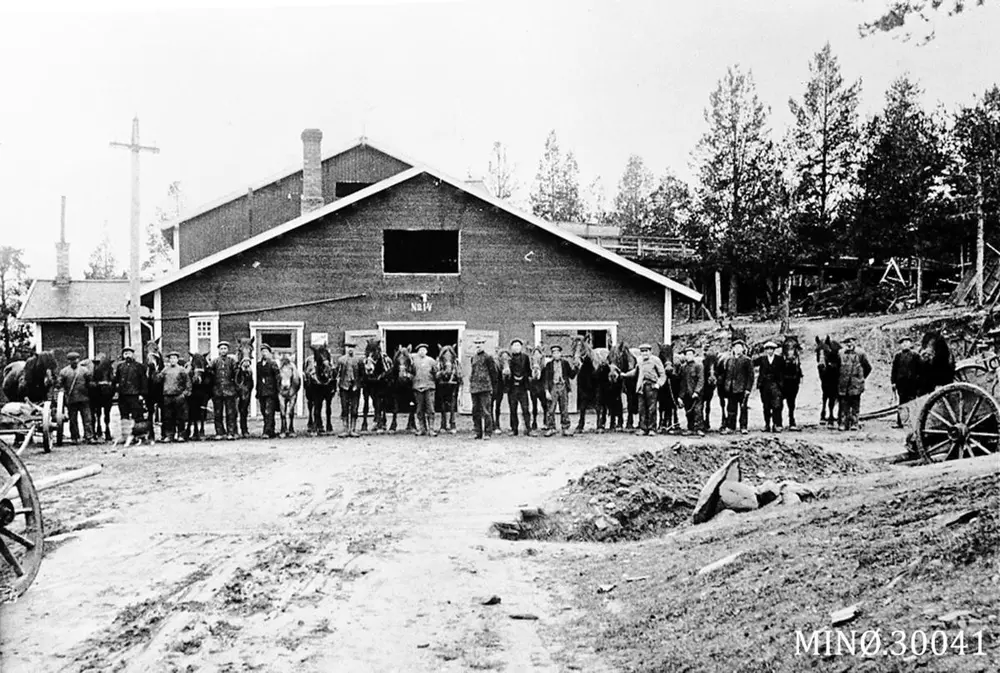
<point x="285" y="340"/>
<point x="434" y="338"/>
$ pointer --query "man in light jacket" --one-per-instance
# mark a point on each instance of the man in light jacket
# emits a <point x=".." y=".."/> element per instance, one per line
<point x="650" y="375"/>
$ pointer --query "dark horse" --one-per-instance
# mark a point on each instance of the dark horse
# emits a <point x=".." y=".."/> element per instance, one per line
<point x="374" y="384"/>
<point x="321" y="386"/>
<point x="711" y="370"/>
<point x="828" y="364"/>
<point x="591" y="367"/>
<point x="503" y="364"/>
<point x="102" y="394"/>
<point x="33" y="379"/>
<point x="667" y="397"/>
<point x="400" y="388"/>
<point x="446" y="387"/>
<point x="201" y="393"/>
<point x="937" y="363"/>
<point x="537" y="386"/>
<point x="624" y="359"/>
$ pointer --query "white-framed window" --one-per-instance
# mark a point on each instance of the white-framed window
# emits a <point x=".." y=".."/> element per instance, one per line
<point x="203" y="331"/>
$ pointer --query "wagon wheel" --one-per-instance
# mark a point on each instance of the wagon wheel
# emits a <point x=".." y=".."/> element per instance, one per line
<point x="46" y="426"/>
<point x="21" y="536"/>
<point x="970" y="372"/>
<point x="959" y="420"/>
<point x="60" y="417"/>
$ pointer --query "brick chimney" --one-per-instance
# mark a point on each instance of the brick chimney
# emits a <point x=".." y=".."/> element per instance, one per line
<point x="62" y="251"/>
<point x="312" y="171"/>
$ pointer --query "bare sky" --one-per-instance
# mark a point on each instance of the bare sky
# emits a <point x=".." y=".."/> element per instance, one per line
<point x="225" y="93"/>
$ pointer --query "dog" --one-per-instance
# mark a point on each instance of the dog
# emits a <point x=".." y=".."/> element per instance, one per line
<point x="139" y="434"/>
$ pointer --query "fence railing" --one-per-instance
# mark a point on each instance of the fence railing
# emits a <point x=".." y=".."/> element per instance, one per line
<point x="644" y="247"/>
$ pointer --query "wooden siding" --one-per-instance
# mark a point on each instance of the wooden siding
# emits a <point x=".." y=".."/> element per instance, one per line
<point x="512" y="275"/>
<point x="64" y="337"/>
<point x="109" y="339"/>
<point x="277" y="203"/>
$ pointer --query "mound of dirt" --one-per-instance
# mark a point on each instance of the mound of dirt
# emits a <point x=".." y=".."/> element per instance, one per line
<point x="647" y="493"/>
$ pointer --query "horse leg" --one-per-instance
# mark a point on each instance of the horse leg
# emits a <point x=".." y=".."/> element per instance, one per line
<point x="364" y="410"/>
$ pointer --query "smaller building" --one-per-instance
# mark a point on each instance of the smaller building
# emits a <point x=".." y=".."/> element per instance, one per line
<point x="86" y="316"/>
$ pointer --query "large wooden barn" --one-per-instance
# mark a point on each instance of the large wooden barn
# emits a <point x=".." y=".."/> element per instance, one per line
<point x="363" y="243"/>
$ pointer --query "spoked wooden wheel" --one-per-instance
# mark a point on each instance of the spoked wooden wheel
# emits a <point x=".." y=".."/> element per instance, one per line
<point x="970" y="372"/>
<point x="959" y="420"/>
<point x="21" y="536"/>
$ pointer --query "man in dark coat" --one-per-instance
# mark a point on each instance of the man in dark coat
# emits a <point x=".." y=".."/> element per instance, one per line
<point x="517" y="393"/>
<point x="556" y="377"/>
<point x="737" y="384"/>
<point x="268" y="377"/>
<point x="482" y="381"/>
<point x="75" y="383"/>
<point x="771" y="374"/>
<point x="692" y="387"/>
<point x="176" y="384"/>
<point x="130" y="382"/>
<point x="223" y="371"/>
<point x="905" y="375"/>
<point x="854" y="369"/>
<point x="350" y="373"/>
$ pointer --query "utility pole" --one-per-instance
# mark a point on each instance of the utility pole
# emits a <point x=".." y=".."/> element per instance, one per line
<point x="135" y="331"/>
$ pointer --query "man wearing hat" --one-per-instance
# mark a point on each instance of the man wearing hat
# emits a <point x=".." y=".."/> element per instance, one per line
<point x="854" y="369"/>
<point x="75" y="382"/>
<point x="482" y="381"/>
<point x="425" y="371"/>
<point x="517" y="391"/>
<point x="176" y="390"/>
<point x="130" y="382"/>
<point x="650" y="375"/>
<point x="350" y="370"/>
<point x="223" y="371"/>
<point x="770" y="374"/>
<point x="690" y="390"/>
<point x="556" y="376"/>
<point x="268" y="377"/>
<point x="736" y="385"/>
<point x="905" y="375"/>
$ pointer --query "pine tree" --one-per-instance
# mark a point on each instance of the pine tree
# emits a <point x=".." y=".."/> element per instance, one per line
<point x="556" y="193"/>
<point x="633" y="207"/>
<point x="500" y="174"/>
<point x="159" y="257"/>
<point x="824" y="145"/>
<point x="13" y="283"/>
<point x="671" y="214"/>
<point x="103" y="261"/>
<point x="740" y="194"/>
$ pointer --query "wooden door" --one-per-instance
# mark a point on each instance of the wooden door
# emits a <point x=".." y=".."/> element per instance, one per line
<point x="283" y="341"/>
<point x="468" y="349"/>
<point x="360" y="338"/>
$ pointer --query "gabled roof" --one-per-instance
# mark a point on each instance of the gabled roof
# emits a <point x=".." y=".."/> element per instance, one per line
<point x="80" y="300"/>
<point x="399" y="178"/>
<point x="281" y="175"/>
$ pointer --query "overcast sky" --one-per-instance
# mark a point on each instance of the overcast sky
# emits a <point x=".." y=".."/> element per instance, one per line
<point x="224" y="93"/>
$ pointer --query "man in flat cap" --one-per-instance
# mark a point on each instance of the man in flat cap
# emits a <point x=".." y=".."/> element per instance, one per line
<point x="770" y="374"/>
<point x="737" y="384"/>
<point x="131" y="384"/>
<point x="691" y="389"/>
<point x="75" y="382"/>
<point x="854" y="369"/>
<point x="268" y="380"/>
<point x="482" y="381"/>
<point x="350" y="371"/>
<point x="223" y="370"/>
<point x="176" y="391"/>
<point x="517" y="390"/>
<point x="905" y="377"/>
<point x="556" y="376"/>
<point x="425" y="370"/>
<point x="650" y="375"/>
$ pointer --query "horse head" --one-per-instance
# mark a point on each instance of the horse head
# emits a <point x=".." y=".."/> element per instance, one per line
<point x="937" y="357"/>
<point x="666" y="352"/>
<point x="402" y="363"/>
<point x="827" y="353"/>
<point x="244" y="347"/>
<point x="447" y="359"/>
<point x="537" y="362"/>
<point x="503" y="359"/>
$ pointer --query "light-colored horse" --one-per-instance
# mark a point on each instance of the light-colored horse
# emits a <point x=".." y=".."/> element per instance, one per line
<point x="448" y="383"/>
<point x="289" y="383"/>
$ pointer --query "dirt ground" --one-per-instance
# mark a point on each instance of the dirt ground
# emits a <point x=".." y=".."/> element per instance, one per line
<point x="321" y="554"/>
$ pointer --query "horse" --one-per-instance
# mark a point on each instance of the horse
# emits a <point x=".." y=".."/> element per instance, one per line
<point x="609" y="390"/>
<point x="591" y="368"/>
<point x="710" y="364"/>
<point x="937" y="363"/>
<point x="154" y="386"/>
<point x="400" y="387"/>
<point x="374" y="383"/>
<point x="321" y="385"/>
<point x="667" y="396"/>
<point x="537" y="386"/>
<point x="289" y="383"/>
<point x="201" y="393"/>
<point x="102" y="393"/>
<point x="446" y="387"/>
<point x="828" y="364"/>
<point x="33" y="379"/>
<point x="503" y="366"/>
<point x="624" y="359"/>
<point x="244" y="348"/>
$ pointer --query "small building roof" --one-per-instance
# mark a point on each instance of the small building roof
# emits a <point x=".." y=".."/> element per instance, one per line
<point x="80" y="300"/>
